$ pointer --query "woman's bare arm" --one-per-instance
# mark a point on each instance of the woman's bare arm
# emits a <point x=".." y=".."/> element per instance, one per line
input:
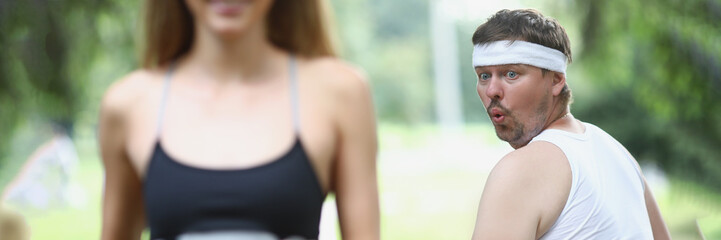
<point x="355" y="181"/>
<point x="123" y="214"/>
<point x="658" y="226"/>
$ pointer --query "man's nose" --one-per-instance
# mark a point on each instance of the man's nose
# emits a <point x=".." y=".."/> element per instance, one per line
<point x="495" y="88"/>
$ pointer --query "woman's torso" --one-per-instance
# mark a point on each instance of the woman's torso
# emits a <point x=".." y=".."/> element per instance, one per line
<point x="248" y="131"/>
<point x="234" y="126"/>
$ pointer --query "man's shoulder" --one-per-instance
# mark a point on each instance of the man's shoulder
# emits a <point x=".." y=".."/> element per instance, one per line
<point x="533" y="181"/>
<point x="538" y="165"/>
<point x="537" y="155"/>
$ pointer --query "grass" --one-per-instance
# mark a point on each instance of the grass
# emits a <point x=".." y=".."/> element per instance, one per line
<point x="429" y="189"/>
<point x="689" y="208"/>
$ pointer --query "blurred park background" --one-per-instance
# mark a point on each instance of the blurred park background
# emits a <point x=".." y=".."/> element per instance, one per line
<point x="646" y="71"/>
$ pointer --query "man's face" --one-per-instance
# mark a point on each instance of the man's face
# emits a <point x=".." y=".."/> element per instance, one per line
<point x="518" y="98"/>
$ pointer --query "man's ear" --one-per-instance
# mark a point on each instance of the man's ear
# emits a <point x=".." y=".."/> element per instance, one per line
<point x="559" y="81"/>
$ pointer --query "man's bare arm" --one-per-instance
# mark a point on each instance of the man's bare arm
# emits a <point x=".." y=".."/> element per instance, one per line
<point x="524" y="194"/>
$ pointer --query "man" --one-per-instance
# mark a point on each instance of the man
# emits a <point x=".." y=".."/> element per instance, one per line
<point x="566" y="179"/>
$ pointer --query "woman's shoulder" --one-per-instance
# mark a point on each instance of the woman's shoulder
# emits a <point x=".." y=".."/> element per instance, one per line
<point x="125" y="92"/>
<point x="332" y="64"/>
<point x="337" y="75"/>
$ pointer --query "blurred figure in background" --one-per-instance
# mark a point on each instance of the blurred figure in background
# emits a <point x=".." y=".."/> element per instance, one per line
<point x="566" y="179"/>
<point x="42" y="183"/>
<point x="238" y="124"/>
<point x="44" y="179"/>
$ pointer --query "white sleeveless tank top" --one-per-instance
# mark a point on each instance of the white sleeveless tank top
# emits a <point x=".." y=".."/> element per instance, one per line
<point x="606" y="200"/>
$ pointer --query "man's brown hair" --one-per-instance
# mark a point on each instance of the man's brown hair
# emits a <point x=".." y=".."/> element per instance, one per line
<point x="526" y="25"/>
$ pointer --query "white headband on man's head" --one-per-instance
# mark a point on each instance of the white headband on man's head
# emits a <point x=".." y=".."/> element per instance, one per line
<point x="519" y="52"/>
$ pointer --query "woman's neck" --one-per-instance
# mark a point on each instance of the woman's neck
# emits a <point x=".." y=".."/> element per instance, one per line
<point x="246" y="57"/>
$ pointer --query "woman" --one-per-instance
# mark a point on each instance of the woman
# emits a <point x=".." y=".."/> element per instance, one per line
<point x="239" y="123"/>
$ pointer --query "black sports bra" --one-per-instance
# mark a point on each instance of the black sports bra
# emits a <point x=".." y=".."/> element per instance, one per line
<point x="282" y="197"/>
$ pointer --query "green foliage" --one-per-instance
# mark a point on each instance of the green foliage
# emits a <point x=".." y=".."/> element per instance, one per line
<point x="390" y="40"/>
<point x="32" y="79"/>
<point x="659" y="64"/>
<point x="49" y="49"/>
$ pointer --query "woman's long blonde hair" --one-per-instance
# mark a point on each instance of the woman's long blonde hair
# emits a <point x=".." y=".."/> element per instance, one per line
<point x="297" y="26"/>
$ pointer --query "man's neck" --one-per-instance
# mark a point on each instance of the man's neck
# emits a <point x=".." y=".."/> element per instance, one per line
<point x="566" y="122"/>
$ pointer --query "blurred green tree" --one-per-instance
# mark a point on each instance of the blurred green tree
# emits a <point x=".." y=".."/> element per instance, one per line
<point x="33" y="80"/>
<point x="47" y="55"/>
<point x="658" y="66"/>
<point x="391" y="41"/>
